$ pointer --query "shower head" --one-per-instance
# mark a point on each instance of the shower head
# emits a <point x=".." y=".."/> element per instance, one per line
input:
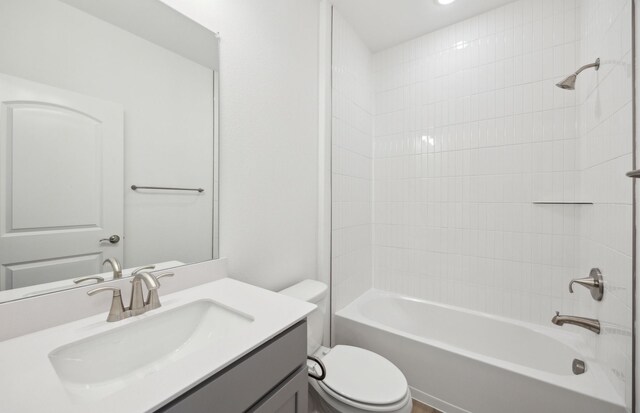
<point x="569" y="83"/>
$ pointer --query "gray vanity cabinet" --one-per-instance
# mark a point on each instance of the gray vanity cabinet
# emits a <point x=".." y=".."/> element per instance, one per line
<point x="270" y="379"/>
<point x="290" y="397"/>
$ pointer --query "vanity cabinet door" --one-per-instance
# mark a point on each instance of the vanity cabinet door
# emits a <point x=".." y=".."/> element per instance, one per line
<point x="253" y="380"/>
<point x="290" y="397"/>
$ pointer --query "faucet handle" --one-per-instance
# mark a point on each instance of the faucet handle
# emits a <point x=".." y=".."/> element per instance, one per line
<point x="148" y="267"/>
<point x="83" y="279"/>
<point x="116" y="291"/>
<point x="117" y="311"/>
<point x="593" y="282"/>
<point x="586" y="282"/>
<point x="166" y="274"/>
<point x="153" y="300"/>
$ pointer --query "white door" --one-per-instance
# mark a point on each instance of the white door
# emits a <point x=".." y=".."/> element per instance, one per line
<point x="61" y="183"/>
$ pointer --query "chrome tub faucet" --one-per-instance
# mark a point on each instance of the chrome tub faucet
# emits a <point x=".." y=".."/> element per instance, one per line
<point x="588" y="323"/>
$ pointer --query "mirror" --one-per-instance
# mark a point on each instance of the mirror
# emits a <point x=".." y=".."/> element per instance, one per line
<point x="108" y="141"/>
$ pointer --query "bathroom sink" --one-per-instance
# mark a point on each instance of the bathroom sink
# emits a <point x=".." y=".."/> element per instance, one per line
<point x="99" y="365"/>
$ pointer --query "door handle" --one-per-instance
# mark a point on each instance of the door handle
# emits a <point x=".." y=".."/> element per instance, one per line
<point x="114" y="239"/>
<point x="634" y="174"/>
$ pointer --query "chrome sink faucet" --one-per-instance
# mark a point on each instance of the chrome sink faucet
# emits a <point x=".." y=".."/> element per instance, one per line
<point x="153" y="300"/>
<point x="138" y="305"/>
<point x="115" y="266"/>
<point x="117" y="311"/>
<point x="588" y="323"/>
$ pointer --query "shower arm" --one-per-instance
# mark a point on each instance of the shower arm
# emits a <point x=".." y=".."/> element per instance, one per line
<point x="596" y="65"/>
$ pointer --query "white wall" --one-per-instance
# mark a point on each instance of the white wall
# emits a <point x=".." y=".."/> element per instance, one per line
<point x="352" y="165"/>
<point x="168" y="103"/>
<point x="268" y="135"/>
<point x="606" y="137"/>
<point x="469" y="132"/>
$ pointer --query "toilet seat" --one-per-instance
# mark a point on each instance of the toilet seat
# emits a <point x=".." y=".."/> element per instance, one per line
<point x="364" y="380"/>
<point x="335" y="399"/>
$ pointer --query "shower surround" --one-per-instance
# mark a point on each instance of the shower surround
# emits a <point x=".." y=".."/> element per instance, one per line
<point x="469" y="132"/>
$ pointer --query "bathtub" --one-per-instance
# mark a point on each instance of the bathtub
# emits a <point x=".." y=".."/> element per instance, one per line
<point x="461" y="361"/>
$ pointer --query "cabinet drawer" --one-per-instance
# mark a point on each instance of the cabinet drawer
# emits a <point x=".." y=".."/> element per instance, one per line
<point x="248" y="380"/>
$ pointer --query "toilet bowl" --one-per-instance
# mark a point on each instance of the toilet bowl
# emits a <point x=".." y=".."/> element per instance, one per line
<point x="357" y="380"/>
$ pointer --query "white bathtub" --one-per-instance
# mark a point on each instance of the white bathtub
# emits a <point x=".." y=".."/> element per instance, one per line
<point x="465" y="361"/>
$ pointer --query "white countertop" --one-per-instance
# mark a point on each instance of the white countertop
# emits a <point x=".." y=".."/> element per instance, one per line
<point x="29" y="383"/>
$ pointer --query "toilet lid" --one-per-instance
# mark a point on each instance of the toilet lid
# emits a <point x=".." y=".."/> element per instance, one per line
<point x="363" y="376"/>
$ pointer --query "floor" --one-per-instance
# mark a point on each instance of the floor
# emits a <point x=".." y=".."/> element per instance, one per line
<point x="423" y="408"/>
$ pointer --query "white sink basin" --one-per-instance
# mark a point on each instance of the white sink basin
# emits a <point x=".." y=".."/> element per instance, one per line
<point x="100" y="365"/>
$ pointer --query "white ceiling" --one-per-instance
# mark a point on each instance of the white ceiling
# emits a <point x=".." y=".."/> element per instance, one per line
<point x="385" y="23"/>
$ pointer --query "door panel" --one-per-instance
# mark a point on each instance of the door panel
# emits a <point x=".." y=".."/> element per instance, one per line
<point x="39" y="272"/>
<point x="61" y="183"/>
<point x="43" y="135"/>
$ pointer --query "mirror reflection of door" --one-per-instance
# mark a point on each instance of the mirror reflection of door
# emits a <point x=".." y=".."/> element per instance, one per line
<point x="61" y="184"/>
<point x="66" y="182"/>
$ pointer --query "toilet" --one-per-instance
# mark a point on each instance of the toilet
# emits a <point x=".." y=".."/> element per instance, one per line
<point x="357" y="380"/>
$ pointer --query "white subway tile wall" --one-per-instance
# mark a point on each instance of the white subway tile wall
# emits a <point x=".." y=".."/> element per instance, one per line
<point x="352" y="165"/>
<point x="469" y="131"/>
<point x="605" y="114"/>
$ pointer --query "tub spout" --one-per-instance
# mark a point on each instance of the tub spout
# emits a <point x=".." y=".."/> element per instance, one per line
<point x="588" y="323"/>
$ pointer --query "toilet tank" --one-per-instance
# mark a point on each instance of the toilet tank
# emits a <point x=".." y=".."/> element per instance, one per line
<point x="314" y="292"/>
